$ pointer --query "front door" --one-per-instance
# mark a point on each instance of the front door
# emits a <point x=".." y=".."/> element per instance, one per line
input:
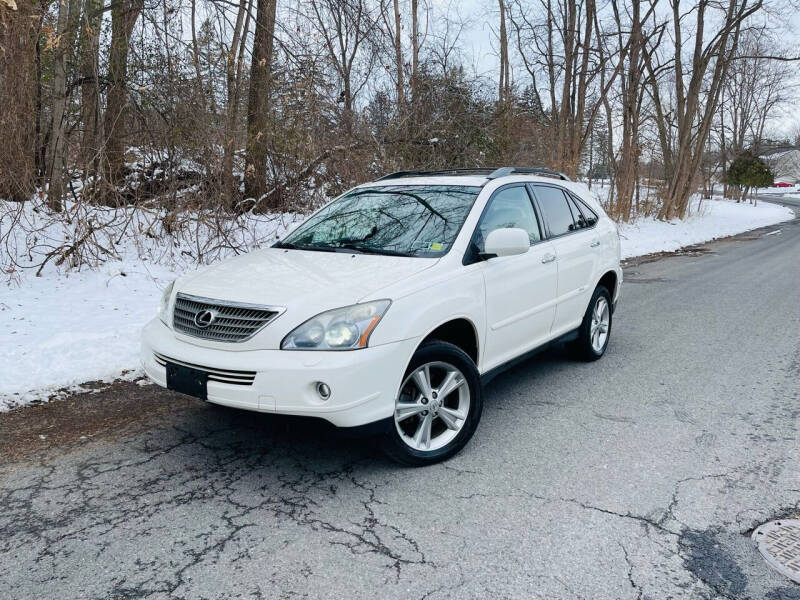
<point x="520" y="290"/>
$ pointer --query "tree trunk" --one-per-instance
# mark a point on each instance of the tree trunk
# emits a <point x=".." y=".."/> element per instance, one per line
<point x="234" y="62"/>
<point x="123" y="19"/>
<point x="19" y="29"/>
<point x="414" y="50"/>
<point x="504" y="86"/>
<point x="627" y="167"/>
<point x="398" y="57"/>
<point x="55" y="161"/>
<point x="198" y="74"/>
<point x="90" y="85"/>
<point x="258" y="109"/>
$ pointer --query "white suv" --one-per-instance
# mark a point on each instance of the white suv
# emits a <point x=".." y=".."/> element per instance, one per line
<point x="392" y="304"/>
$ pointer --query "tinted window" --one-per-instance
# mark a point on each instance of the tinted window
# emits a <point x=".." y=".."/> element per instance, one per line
<point x="555" y="210"/>
<point x="510" y="207"/>
<point x="588" y="213"/>
<point x="578" y="217"/>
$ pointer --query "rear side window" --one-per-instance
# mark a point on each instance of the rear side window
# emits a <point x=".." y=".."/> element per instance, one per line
<point x="588" y="214"/>
<point x="555" y="210"/>
<point x="577" y="215"/>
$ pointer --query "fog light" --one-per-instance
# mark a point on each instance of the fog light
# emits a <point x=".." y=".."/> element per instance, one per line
<point x="323" y="390"/>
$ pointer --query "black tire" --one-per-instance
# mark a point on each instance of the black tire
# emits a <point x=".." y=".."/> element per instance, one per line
<point x="582" y="348"/>
<point x="431" y="352"/>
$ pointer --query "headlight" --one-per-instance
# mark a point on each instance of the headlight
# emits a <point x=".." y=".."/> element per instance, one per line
<point x="345" y="328"/>
<point x="163" y="306"/>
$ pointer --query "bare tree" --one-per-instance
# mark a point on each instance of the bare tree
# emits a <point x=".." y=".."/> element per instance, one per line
<point x="415" y="48"/>
<point x="504" y="85"/>
<point x="445" y="38"/>
<point x="258" y="107"/>
<point x="631" y="90"/>
<point x="696" y="100"/>
<point x="400" y="85"/>
<point x="398" y="50"/>
<point x="234" y="62"/>
<point x="346" y="26"/>
<point x="559" y="45"/>
<point x="62" y="44"/>
<point x="754" y="87"/>
<point x="90" y="84"/>
<point x="19" y="29"/>
<point x="624" y="151"/>
<point x="124" y="14"/>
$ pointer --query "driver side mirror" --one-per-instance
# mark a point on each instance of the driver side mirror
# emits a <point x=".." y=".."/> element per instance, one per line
<point x="508" y="241"/>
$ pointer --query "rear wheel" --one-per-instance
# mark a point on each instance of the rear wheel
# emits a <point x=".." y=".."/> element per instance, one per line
<point x="437" y="407"/>
<point x="595" y="330"/>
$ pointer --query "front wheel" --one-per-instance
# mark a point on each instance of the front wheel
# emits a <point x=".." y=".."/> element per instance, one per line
<point x="595" y="330"/>
<point x="437" y="408"/>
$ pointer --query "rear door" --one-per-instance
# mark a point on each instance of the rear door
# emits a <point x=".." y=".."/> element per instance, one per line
<point x="575" y="242"/>
<point x="520" y="290"/>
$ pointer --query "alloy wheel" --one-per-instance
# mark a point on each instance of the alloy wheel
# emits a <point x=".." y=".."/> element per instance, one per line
<point x="601" y="320"/>
<point x="432" y="407"/>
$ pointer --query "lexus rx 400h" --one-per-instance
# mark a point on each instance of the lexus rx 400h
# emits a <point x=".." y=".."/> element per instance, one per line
<point x="391" y="304"/>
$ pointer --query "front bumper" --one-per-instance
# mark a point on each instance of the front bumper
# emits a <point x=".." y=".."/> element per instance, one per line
<point x="363" y="382"/>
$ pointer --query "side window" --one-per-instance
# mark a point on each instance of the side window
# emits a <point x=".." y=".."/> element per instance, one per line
<point x="510" y="207"/>
<point x="555" y="210"/>
<point x="577" y="214"/>
<point x="588" y="213"/>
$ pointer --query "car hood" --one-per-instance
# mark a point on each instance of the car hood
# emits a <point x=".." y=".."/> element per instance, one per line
<point x="305" y="282"/>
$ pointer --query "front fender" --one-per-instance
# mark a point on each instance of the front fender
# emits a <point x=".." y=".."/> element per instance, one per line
<point x="417" y="314"/>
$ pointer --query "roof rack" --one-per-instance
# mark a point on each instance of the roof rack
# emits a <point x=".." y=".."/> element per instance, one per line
<point x="471" y="171"/>
<point x="488" y="172"/>
<point x="506" y="171"/>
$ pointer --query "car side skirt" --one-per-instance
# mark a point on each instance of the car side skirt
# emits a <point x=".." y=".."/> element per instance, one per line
<point x="495" y="371"/>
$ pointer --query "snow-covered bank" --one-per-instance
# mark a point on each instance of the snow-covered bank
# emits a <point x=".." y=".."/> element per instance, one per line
<point x="60" y="331"/>
<point x="71" y="326"/>
<point x="66" y="328"/>
<point x="708" y="220"/>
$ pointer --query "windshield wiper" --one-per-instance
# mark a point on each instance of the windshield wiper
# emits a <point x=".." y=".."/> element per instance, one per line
<point x="363" y="249"/>
<point x="291" y="246"/>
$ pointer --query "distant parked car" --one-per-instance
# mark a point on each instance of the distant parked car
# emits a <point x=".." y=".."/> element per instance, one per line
<point x="782" y="184"/>
<point x="390" y="304"/>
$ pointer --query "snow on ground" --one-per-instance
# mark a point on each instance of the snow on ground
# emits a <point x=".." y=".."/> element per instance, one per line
<point x="68" y="327"/>
<point x="708" y="220"/>
<point x="63" y="330"/>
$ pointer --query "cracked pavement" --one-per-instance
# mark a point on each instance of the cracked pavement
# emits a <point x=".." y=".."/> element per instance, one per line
<point x="637" y="476"/>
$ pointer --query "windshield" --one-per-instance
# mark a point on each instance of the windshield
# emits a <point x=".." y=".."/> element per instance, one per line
<point x="395" y="220"/>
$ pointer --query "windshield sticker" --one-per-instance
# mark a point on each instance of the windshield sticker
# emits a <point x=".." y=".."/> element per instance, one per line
<point x="436" y="246"/>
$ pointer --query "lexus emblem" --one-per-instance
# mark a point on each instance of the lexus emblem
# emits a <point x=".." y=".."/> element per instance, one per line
<point x="205" y="318"/>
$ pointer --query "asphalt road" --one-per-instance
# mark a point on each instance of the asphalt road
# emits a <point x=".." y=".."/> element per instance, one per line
<point x="638" y="476"/>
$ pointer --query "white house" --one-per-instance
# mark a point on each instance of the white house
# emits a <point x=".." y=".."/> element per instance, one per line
<point x="785" y="164"/>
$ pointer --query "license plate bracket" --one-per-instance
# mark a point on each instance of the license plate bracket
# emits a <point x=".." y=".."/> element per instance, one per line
<point x="186" y="380"/>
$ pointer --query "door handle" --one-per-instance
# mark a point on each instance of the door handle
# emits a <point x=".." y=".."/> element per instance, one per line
<point x="594" y="244"/>
<point x="548" y="258"/>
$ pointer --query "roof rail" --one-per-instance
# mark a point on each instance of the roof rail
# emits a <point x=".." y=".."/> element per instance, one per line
<point x="488" y="172"/>
<point x="506" y="171"/>
<point x="469" y="171"/>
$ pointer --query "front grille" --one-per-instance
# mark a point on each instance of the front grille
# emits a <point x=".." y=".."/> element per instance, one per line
<point x="231" y="322"/>
<point x="214" y="374"/>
